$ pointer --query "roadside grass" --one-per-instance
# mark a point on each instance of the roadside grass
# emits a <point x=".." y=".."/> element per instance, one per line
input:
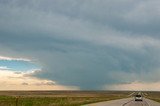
<point x="7" y="101"/>
<point x="153" y="96"/>
<point x="51" y="101"/>
<point x="67" y="100"/>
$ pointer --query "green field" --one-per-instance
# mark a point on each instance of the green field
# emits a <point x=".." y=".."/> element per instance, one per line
<point x="57" y="98"/>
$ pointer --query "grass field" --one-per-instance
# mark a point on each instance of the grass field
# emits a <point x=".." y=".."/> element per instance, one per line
<point x="154" y="96"/>
<point x="57" y="98"/>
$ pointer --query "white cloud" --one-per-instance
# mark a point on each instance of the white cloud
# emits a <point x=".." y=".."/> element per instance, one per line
<point x="4" y="68"/>
<point x="12" y="58"/>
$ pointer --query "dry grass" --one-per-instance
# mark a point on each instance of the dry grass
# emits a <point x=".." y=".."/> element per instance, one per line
<point x="56" y="98"/>
<point x="153" y="95"/>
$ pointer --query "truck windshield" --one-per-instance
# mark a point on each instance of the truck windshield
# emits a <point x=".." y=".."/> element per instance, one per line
<point x="138" y="95"/>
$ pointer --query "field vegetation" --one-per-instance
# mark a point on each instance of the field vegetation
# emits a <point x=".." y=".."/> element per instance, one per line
<point x="57" y="98"/>
<point x="154" y="96"/>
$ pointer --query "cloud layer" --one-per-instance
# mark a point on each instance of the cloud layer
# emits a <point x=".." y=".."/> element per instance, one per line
<point x="20" y="81"/>
<point x="89" y="44"/>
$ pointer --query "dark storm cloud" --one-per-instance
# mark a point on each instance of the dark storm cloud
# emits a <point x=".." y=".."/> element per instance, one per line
<point x="84" y="43"/>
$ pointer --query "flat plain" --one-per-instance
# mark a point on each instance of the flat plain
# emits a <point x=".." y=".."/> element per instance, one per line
<point x="57" y="98"/>
<point x="65" y="98"/>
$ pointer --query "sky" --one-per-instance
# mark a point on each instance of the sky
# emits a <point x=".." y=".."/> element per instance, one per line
<point x="79" y="45"/>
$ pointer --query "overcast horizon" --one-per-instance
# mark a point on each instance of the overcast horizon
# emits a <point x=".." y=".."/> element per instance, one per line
<point x="79" y="45"/>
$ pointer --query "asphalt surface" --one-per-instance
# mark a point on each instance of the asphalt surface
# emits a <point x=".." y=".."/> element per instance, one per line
<point x="126" y="102"/>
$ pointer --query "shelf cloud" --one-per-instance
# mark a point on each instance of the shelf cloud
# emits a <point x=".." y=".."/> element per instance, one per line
<point x="88" y="44"/>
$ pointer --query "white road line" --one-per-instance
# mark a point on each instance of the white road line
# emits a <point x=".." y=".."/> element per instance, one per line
<point x="127" y="102"/>
<point x="146" y="102"/>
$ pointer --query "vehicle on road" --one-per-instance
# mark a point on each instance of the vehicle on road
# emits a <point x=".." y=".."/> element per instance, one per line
<point x="138" y="98"/>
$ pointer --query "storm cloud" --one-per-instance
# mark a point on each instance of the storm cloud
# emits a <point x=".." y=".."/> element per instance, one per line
<point x="88" y="44"/>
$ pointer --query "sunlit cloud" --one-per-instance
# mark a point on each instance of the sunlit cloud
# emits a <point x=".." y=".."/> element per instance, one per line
<point x="18" y="81"/>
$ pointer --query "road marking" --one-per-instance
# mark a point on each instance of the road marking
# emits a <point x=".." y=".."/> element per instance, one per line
<point x="127" y="102"/>
<point x="146" y="102"/>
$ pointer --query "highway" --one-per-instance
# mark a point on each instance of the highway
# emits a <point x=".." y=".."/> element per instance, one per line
<point x="126" y="102"/>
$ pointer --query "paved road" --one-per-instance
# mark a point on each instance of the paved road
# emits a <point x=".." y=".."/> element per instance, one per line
<point x="127" y="102"/>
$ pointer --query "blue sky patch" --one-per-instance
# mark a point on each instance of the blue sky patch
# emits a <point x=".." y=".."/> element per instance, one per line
<point x="18" y="65"/>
